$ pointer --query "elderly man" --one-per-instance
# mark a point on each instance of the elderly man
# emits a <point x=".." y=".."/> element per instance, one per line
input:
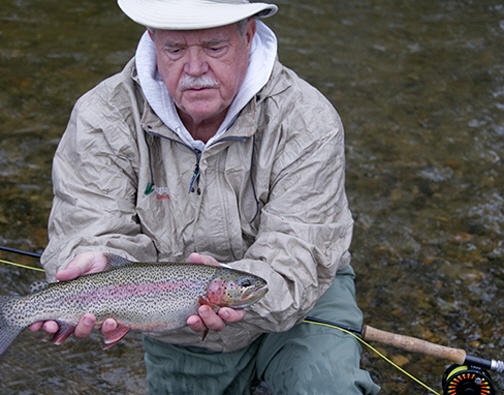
<point x="206" y="149"/>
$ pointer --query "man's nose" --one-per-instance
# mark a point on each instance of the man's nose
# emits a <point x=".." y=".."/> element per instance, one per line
<point x="196" y="62"/>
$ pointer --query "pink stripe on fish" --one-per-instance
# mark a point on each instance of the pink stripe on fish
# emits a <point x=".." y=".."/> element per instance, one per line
<point x="128" y="290"/>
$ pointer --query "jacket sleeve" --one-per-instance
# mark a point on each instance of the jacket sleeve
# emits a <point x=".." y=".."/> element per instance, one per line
<point x="305" y="225"/>
<point x="94" y="182"/>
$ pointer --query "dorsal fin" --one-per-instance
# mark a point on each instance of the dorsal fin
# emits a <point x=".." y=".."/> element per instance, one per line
<point x="115" y="261"/>
<point x="38" y="286"/>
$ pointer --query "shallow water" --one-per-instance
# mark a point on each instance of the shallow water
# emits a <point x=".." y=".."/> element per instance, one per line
<point x="420" y="88"/>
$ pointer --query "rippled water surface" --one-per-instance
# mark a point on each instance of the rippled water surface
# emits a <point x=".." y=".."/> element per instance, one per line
<point x="420" y="88"/>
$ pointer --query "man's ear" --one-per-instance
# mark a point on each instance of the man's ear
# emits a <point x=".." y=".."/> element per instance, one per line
<point x="151" y="32"/>
<point x="250" y="31"/>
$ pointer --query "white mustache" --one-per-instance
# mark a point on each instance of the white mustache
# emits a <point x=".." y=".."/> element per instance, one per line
<point x="203" y="81"/>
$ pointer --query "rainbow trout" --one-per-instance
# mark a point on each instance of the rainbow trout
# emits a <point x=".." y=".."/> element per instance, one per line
<point x="145" y="297"/>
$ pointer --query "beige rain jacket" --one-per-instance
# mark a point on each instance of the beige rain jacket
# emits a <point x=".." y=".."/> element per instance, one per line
<point x="267" y="198"/>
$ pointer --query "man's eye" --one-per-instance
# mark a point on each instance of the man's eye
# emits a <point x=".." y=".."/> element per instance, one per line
<point x="216" y="50"/>
<point x="174" y="50"/>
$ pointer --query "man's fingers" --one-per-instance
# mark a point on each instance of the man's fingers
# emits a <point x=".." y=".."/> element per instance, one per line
<point x="36" y="326"/>
<point x="206" y="319"/>
<point x="195" y="258"/>
<point x="203" y="259"/>
<point x="109" y="325"/>
<point x="196" y="324"/>
<point x="48" y="326"/>
<point x="211" y="320"/>
<point x="70" y="273"/>
<point x="231" y="315"/>
<point x="85" y="326"/>
<point x="85" y="263"/>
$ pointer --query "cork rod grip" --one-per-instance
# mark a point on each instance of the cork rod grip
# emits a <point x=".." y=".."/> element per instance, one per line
<point x="412" y="344"/>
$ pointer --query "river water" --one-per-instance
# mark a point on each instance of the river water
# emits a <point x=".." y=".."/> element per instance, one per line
<point x="420" y="88"/>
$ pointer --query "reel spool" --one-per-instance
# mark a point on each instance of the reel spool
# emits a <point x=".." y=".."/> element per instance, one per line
<point x="467" y="380"/>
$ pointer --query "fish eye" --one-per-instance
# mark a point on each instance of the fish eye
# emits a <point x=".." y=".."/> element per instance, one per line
<point x="246" y="282"/>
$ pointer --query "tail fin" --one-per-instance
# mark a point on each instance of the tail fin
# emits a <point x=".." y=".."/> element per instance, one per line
<point x="8" y="333"/>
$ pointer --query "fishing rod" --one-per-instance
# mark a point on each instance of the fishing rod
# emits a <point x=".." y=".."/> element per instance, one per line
<point x="466" y="376"/>
<point x="20" y="252"/>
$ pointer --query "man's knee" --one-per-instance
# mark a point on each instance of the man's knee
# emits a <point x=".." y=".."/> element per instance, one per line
<point x="319" y="364"/>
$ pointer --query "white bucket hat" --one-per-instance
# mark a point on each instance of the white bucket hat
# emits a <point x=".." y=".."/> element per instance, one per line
<point x="192" y="14"/>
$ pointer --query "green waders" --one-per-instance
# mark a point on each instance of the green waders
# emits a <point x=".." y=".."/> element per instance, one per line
<point x="307" y="359"/>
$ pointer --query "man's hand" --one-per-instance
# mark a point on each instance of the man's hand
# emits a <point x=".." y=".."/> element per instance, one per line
<point x="85" y="263"/>
<point x="207" y="319"/>
<point x="82" y="264"/>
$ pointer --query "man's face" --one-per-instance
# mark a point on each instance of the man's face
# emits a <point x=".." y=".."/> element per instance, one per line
<point x="203" y="69"/>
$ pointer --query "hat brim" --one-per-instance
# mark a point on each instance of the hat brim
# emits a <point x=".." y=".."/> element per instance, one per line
<point x="191" y="15"/>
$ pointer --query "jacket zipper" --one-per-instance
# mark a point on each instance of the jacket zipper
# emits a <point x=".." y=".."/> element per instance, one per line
<point x="196" y="171"/>
<point x="197" y="152"/>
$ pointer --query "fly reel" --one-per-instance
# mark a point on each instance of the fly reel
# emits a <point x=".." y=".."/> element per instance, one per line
<point x="467" y="380"/>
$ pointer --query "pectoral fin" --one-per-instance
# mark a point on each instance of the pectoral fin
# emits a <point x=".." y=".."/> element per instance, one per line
<point x="112" y="338"/>
<point x="64" y="330"/>
<point x="203" y="301"/>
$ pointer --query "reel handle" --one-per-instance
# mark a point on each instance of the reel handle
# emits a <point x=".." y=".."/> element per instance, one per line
<point x="412" y="344"/>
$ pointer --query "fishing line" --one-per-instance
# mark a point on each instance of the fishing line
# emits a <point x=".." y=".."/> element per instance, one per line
<point x="352" y="332"/>
<point x="23" y="266"/>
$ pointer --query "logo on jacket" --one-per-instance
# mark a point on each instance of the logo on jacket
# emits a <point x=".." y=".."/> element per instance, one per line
<point x="161" y="192"/>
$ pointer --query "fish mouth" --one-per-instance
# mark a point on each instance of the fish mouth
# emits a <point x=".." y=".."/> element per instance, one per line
<point x="251" y="296"/>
